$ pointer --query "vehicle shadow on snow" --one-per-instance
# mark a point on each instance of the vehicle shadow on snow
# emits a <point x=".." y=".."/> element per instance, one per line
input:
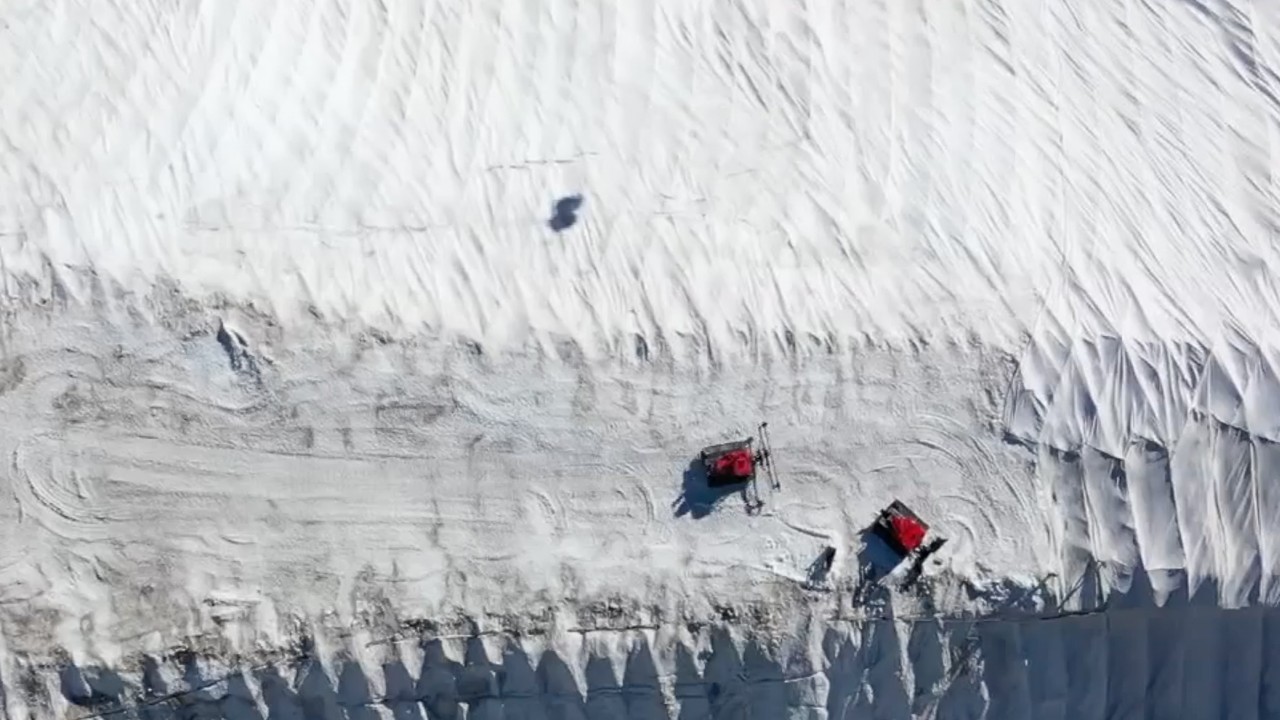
<point x="875" y="555"/>
<point x="875" y="559"/>
<point x="698" y="498"/>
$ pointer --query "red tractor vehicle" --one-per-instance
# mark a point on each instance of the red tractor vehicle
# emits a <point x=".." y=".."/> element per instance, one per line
<point x="737" y="463"/>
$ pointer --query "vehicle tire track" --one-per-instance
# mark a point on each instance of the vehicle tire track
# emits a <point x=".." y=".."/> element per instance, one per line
<point x="72" y="514"/>
<point x="552" y="513"/>
<point x="825" y="536"/>
<point x="964" y="544"/>
<point x="653" y="530"/>
<point x="983" y="465"/>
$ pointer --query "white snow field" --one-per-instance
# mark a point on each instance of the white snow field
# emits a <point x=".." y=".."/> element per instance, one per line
<point x="307" y="411"/>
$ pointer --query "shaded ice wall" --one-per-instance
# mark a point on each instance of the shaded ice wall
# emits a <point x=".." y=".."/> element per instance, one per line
<point x="1189" y="663"/>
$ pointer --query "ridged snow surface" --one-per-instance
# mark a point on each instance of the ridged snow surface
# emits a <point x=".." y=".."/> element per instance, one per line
<point x="382" y="316"/>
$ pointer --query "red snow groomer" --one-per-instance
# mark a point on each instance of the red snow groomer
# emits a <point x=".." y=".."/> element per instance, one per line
<point x="730" y="463"/>
<point x="901" y="528"/>
<point x="905" y="533"/>
<point x="737" y="462"/>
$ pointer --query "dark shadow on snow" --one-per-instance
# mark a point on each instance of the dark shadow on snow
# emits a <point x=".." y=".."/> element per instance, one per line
<point x="875" y="556"/>
<point x="561" y="698"/>
<point x="402" y="695"/>
<point x="94" y="688"/>
<point x="690" y="688"/>
<point x="565" y="213"/>
<point x="353" y="691"/>
<point x="641" y="687"/>
<point x="698" y="498"/>
<point x="279" y="694"/>
<point x="478" y="681"/>
<point x="437" y="686"/>
<point x="819" y="570"/>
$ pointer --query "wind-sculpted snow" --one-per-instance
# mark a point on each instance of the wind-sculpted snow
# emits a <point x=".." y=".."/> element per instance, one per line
<point x="749" y="171"/>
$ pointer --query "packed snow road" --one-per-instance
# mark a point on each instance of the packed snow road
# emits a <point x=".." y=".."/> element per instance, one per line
<point x="189" y="473"/>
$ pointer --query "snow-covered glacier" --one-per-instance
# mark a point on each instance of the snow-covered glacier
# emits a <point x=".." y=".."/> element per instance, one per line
<point x="354" y="355"/>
